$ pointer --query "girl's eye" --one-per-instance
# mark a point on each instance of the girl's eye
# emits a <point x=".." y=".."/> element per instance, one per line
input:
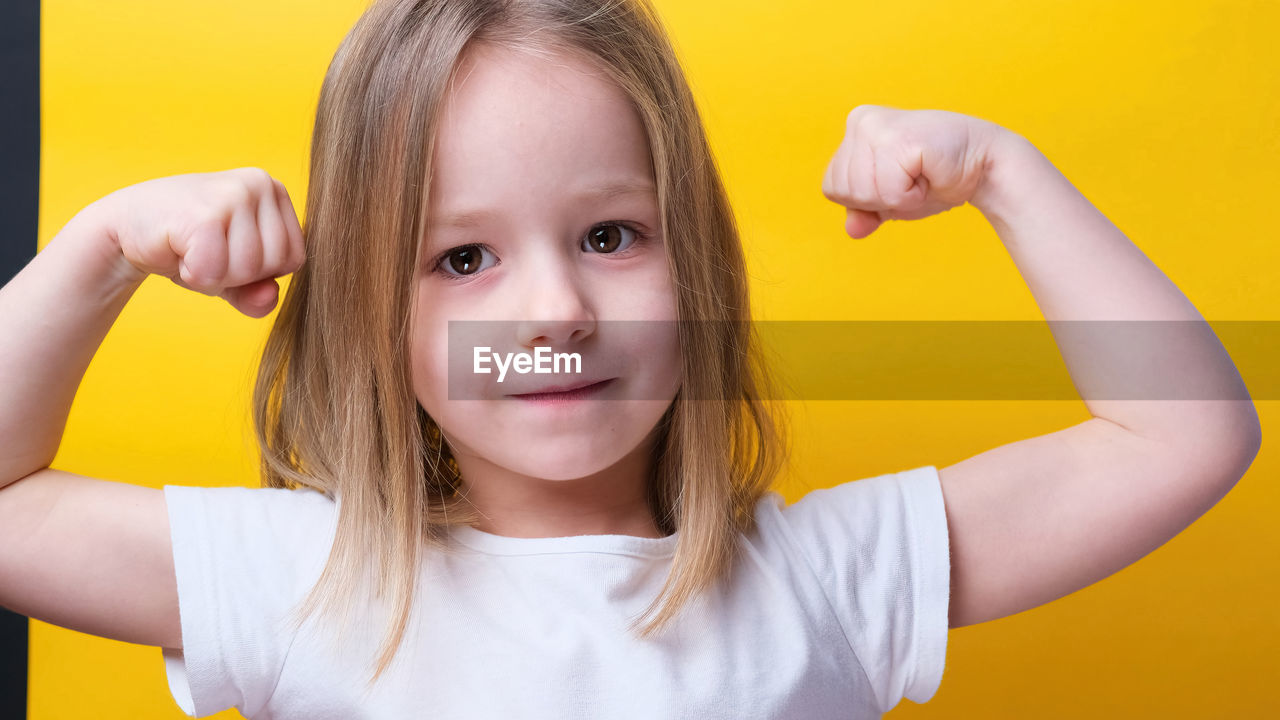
<point x="607" y="237"/>
<point x="462" y="261"/>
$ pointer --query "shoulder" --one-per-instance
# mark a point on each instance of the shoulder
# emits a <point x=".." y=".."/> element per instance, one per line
<point x="242" y="557"/>
<point x="864" y="526"/>
<point x="890" y="499"/>
<point x="268" y="501"/>
<point x="879" y="550"/>
<point x="278" y="518"/>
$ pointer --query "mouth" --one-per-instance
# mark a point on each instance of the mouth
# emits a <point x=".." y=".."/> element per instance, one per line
<point x="565" y="393"/>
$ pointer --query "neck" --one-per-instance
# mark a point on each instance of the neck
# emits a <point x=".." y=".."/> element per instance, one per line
<point x="612" y="501"/>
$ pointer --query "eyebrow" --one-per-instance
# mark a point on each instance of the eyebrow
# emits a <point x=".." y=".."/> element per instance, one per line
<point x="608" y="191"/>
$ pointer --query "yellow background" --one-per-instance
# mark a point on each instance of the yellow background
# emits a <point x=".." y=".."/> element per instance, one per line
<point x="1165" y="115"/>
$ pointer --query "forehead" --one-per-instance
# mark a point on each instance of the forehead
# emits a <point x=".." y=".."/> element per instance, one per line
<point x="519" y="130"/>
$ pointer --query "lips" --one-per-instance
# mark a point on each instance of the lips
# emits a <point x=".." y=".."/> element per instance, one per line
<point x="552" y="389"/>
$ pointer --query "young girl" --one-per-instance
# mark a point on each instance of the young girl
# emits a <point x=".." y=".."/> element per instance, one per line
<point x="538" y="171"/>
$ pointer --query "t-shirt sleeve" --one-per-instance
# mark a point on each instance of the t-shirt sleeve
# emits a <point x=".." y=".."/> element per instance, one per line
<point x="880" y="549"/>
<point x="242" y="557"/>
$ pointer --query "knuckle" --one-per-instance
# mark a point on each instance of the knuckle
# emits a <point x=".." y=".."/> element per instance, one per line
<point x="248" y="182"/>
<point x="207" y="215"/>
<point x="859" y="113"/>
<point x="286" y="260"/>
<point x="271" y="253"/>
<point x="196" y="278"/>
<point x="209" y="226"/>
<point x="864" y="195"/>
<point x="908" y="138"/>
<point x="244" y="267"/>
<point x="845" y="188"/>
<point x="260" y="179"/>
<point x="251" y="174"/>
<point x="297" y="256"/>
<point x="832" y="189"/>
<point x="254" y="268"/>
<point x="892" y="199"/>
<point x="236" y="192"/>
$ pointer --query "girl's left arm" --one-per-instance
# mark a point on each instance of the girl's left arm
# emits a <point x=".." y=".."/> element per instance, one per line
<point x="1040" y="518"/>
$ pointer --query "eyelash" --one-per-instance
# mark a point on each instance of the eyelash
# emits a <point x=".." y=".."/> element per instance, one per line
<point x="641" y="237"/>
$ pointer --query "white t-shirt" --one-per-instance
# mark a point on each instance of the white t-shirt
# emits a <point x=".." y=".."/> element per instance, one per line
<point x="836" y="608"/>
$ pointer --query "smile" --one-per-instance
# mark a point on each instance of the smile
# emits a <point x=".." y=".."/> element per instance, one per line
<point x="567" y="395"/>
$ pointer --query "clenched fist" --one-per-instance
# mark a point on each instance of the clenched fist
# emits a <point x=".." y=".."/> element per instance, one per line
<point x="906" y="164"/>
<point x="227" y="234"/>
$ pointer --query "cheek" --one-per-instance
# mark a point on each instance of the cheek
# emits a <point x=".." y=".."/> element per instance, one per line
<point x="669" y="345"/>
<point x="653" y="357"/>
<point x="428" y="365"/>
<point x="660" y="339"/>
<point x="655" y="292"/>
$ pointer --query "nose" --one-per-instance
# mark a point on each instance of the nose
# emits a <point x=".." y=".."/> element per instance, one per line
<point x="556" y="304"/>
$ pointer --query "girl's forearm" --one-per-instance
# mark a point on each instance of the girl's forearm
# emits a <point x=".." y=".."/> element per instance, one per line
<point x="1080" y="267"/>
<point x="54" y="315"/>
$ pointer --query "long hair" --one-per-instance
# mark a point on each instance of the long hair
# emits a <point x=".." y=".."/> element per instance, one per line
<point x="334" y="406"/>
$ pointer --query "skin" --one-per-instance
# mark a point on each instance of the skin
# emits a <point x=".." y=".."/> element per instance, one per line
<point x="520" y="136"/>
<point x="1037" y="519"/>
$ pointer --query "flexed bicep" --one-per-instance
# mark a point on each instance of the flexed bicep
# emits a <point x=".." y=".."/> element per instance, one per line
<point x="89" y="555"/>
<point x="1038" y="519"/>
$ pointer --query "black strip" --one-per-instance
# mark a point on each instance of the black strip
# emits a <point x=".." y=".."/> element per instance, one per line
<point x="19" y="217"/>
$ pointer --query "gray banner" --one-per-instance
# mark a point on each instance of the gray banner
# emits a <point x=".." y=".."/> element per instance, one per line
<point x="886" y="360"/>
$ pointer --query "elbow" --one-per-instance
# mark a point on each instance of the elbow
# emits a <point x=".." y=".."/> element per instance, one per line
<point x="1249" y="446"/>
<point x="1244" y="436"/>
<point x="1226" y="447"/>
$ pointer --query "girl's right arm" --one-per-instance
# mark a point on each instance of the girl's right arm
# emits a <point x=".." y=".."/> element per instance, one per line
<point x="95" y="555"/>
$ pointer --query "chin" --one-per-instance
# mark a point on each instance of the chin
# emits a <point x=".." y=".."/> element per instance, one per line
<point x="550" y="462"/>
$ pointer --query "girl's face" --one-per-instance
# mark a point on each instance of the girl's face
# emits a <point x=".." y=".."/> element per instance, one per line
<point x="544" y="216"/>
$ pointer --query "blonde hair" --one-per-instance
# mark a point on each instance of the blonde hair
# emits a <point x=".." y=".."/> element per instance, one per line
<point x="334" y="406"/>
